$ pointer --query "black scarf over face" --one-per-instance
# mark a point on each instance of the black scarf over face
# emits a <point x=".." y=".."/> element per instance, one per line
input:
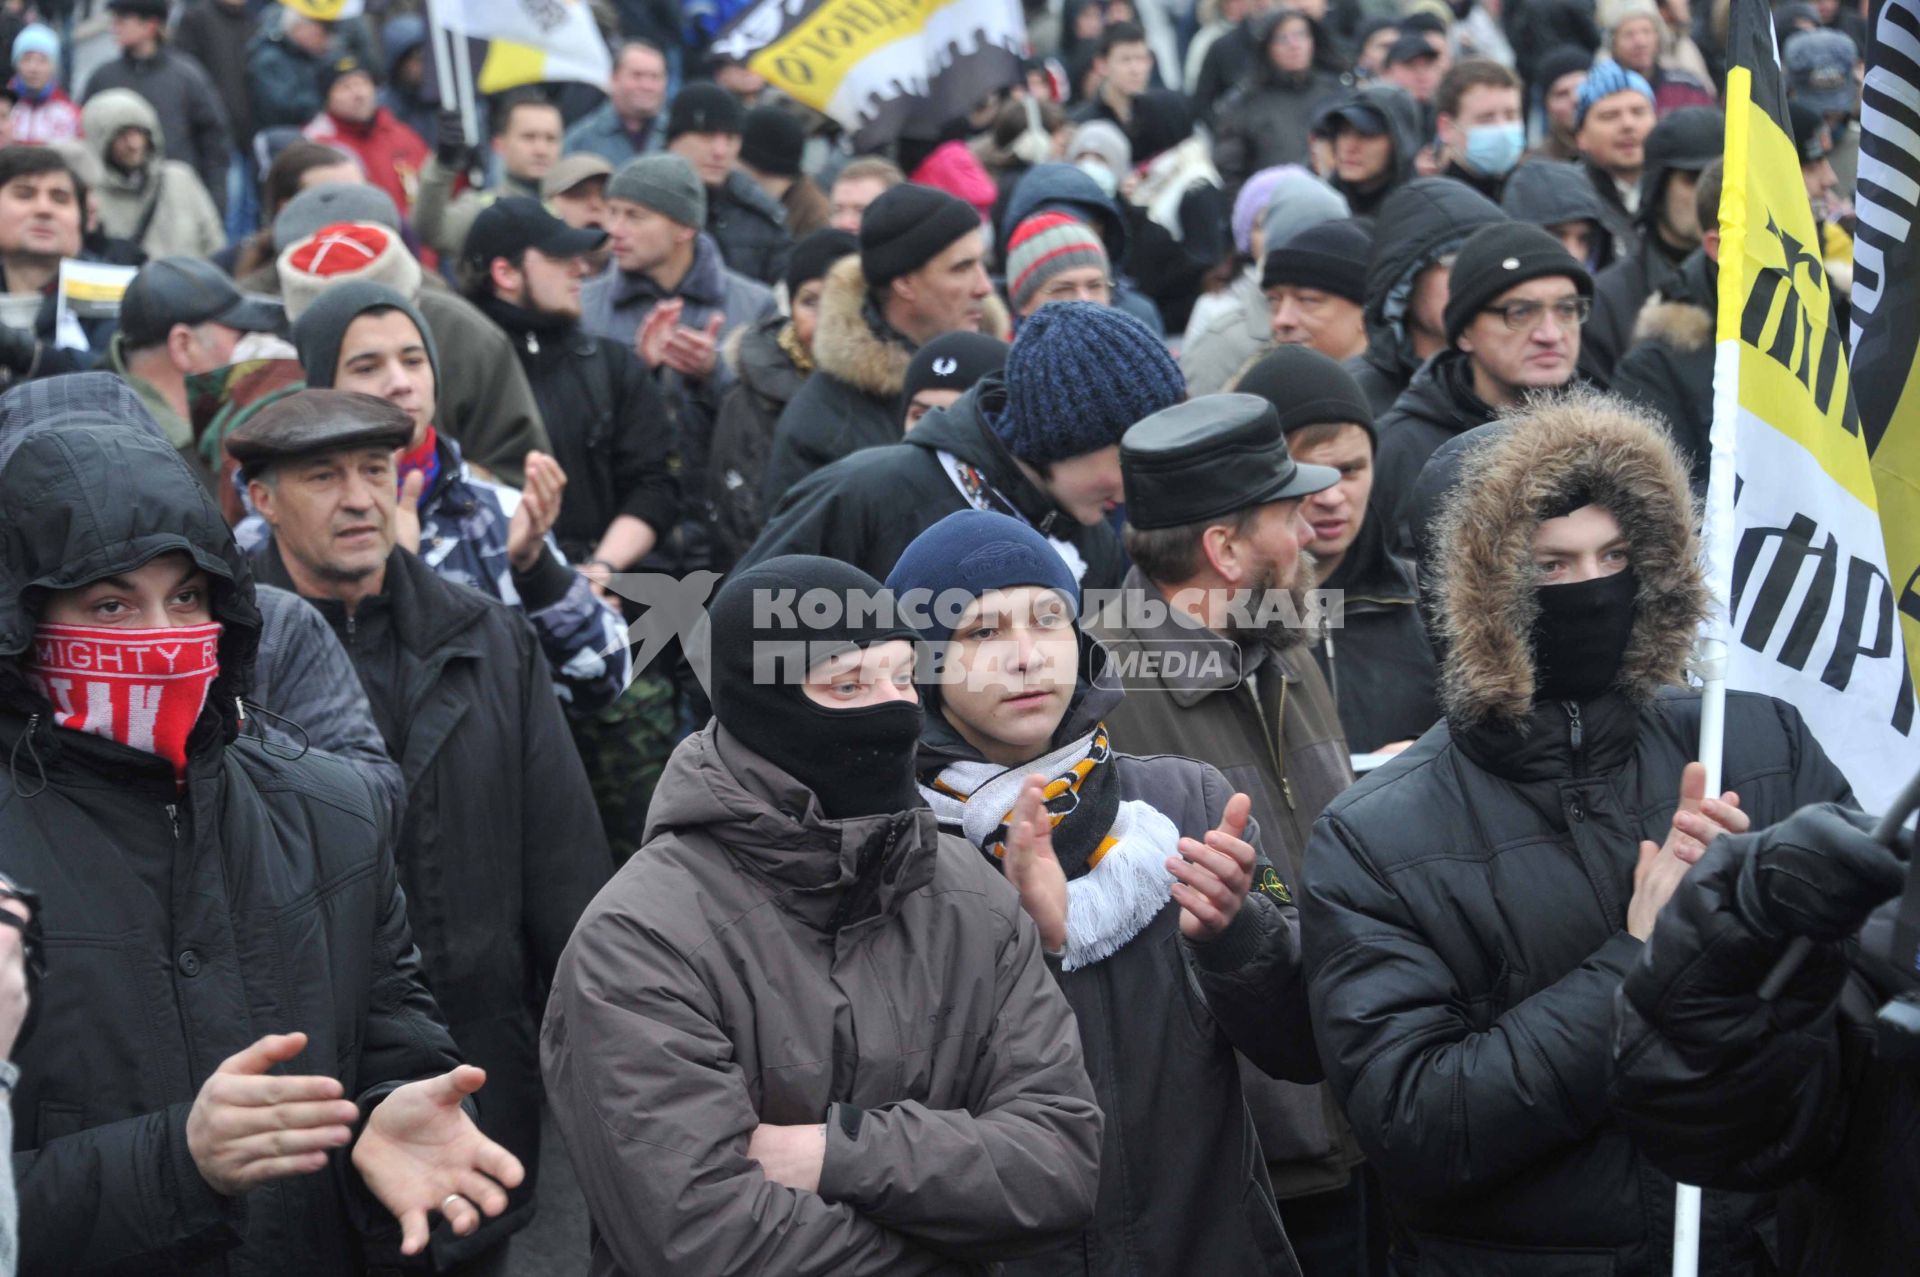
<point x="857" y="762"/>
<point x="1581" y="635"/>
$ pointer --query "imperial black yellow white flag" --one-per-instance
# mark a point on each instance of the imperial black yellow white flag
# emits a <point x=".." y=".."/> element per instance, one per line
<point x="882" y="68"/>
<point x="1795" y="541"/>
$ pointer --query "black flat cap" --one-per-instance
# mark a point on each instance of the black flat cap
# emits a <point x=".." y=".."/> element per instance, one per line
<point x="1209" y="457"/>
<point x="317" y="421"/>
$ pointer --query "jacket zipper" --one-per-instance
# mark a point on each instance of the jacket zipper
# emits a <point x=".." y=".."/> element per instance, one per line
<point x="1576" y="741"/>
<point x="173" y="819"/>
<point x="1277" y="752"/>
<point x="1333" y="674"/>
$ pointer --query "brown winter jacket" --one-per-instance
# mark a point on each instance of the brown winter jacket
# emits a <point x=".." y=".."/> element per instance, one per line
<point x="1290" y="775"/>
<point x="710" y="988"/>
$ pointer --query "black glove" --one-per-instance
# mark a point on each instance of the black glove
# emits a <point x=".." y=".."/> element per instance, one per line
<point x="450" y="142"/>
<point x="1818" y="874"/>
<point x="17" y="349"/>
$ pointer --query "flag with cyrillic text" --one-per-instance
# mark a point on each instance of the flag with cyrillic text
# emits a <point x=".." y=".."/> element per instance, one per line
<point x="516" y="42"/>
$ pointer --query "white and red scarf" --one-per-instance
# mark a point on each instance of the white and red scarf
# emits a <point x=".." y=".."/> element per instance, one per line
<point x="143" y="688"/>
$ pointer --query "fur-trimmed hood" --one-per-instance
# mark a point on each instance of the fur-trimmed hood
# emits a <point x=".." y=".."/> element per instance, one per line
<point x="1681" y="311"/>
<point x="846" y="346"/>
<point x="1476" y="508"/>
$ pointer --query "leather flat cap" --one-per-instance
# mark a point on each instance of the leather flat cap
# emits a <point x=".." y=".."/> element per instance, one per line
<point x="316" y="421"/>
<point x="1209" y="457"/>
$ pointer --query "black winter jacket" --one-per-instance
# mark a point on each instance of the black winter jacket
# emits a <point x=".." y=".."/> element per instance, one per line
<point x="1439" y="404"/>
<point x="281" y="911"/>
<point x="766" y="381"/>
<point x="1183" y="1185"/>
<point x="865" y="508"/>
<point x="1378" y="663"/>
<point x="1465" y="904"/>
<point x="1619" y="292"/>
<point x="750" y="227"/>
<point x="608" y="424"/>
<point x="1669" y="368"/>
<point x="501" y="848"/>
<point x="1420" y="223"/>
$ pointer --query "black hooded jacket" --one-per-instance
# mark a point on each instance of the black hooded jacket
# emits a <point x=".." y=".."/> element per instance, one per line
<point x="1550" y="192"/>
<point x="865" y="508"/>
<point x="1267" y="118"/>
<point x="1404" y="130"/>
<point x="1378" y="663"/>
<point x="767" y="381"/>
<point x="1669" y="369"/>
<point x="501" y="849"/>
<point x="1465" y="904"/>
<point x="1439" y="404"/>
<point x="278" y="908"/>
<point x="1421" y="222"/>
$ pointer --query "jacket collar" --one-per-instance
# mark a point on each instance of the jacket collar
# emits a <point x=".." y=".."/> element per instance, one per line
<point x="430" y="617"/>
<point x="1173" y="630"/>
<point x="962" y="430"/>
<point x="1370" y="570"/>
<point x="1547" y="745"/>
<point x="704" y="284"/>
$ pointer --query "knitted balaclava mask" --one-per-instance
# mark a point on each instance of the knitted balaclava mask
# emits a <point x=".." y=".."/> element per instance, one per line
<point x="857" y="762"/>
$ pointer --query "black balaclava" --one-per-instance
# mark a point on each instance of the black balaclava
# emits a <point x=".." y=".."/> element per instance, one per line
<point x="857" y="762"/>
<point x="1581" y="635"/>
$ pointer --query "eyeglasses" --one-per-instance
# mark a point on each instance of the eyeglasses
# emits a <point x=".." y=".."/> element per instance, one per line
<point x="1524" y="317"/>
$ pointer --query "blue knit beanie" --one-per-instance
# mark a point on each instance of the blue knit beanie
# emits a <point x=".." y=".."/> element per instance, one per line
<point x="970" y="552"/>
<point x="1078" y="376"/>
<point x="38" y="37"/>
<point x="1606" y="79"/>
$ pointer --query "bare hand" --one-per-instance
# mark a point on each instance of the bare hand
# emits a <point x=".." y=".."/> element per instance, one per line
<point x="13" y="977"/>
<point x="1033" y="869"/>
<point x="539" y="507"/>
<point x="598" y="576"/>
<point x="406" y="512"/>
<point x="790" y="1155"/>
<point x="1697" y="822"/>
<point x="650" y="342"/>
<point x="693" y="353"/>
<point x="421" y="1153"/>
<point x="1214" y="876"/>
<point x="247" y="1127"/>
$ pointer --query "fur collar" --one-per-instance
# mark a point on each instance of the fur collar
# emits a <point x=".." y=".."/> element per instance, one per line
<point x="1483" y="603"/>
<point x="846" y="346"/>
<point x="1680" y="324"/>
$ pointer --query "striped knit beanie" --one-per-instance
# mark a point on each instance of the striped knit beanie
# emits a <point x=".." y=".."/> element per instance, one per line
<point x="1043" y="246"/>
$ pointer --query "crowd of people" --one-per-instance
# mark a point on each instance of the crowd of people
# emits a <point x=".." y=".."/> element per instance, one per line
<point x="1185" y="763"/>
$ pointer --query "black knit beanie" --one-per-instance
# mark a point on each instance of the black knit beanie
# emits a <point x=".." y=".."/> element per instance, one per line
<point x="771" y="141"/>
<point x="953" y="361"/>
<point x="907" y="227"/>
<point x="1330" y="256"/>
<point x="769" y="625"/>
<point x="1307" y="389"/>
<point x="815" y="255"/>
<point x="323" y="325"/>
<point x="1494" y="259"/>
<point x="704" y="107"/>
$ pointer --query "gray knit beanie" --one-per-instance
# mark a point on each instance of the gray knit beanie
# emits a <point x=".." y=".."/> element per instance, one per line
<point x="664" y="183"/>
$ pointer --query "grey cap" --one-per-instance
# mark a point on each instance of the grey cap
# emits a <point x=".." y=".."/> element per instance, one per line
<point x="332" y="202"/>
<point x="1820" y="70"/>
<point x="664" y="183"/>
<point x="190" y="290"/>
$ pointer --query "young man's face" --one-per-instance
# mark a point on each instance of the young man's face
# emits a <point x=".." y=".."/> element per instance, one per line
<point x="1614" y="134"/>
<point x="849" y="201"/>
<point x="642" y="240"/>
<point x="926" y="401"/>
<point x="1577" y="237"/>
<point x="531" y="142"/>
<point x="1542" y="350"/>
<point x="1562" y="97"/>
<point x="804" y="311"/>
<point x="331" y="514"/>
<point x="1128" y="68"/>
<point x="1360" y="158"/>
<point x="1584" y="545"/>
<point x="129" y="149"/>
<point x="164" y="593"/>
<point x="1012" y="664"/>
<point x="1088" y="487"/>
<point x="1304" y="316"/>
<point x="950" y="292"/>
<point x="1419" y="77"/>
<point x="353" y="98"/>
<point x="1290" y="48"/>
<point x="1337" y="514"/>
<point x="551" y="285"/>
<point x="1481" y="106"/>
<point x="40" y="215"/>
<point x="383" y="354"/>
<point x="584" y="204"/>
<point x="34" y="69"/>
<point x="133" y="33"/>
<point x="1679" y="218"/>
<point x="1080" y="284"/>
<point x="1636" y="44"/>
<point x="711" y="154"/>
<point x="639" y="84"/>
<point x="877" y="674"/>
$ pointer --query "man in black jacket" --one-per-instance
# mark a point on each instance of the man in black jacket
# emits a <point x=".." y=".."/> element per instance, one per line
<point x="1723" y="1089"/>
<point x="921" y="272"/>
<point x="704" y="126"/>
<point x="238" y="997"/>
<point x="1514" y="309"/>
<point x="1471" y="907"/>
<point x="1420" y="228"/>
<point x="523" y="267"/>
<point x="500" y="851"/>
<point x="1041" y="443"/>
<point x="1678" y="149"/>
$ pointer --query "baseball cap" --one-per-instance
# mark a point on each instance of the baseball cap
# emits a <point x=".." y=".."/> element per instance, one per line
<point x="1410" y="47"/>
<point x="570" y="170"/>
<point x="190" y="290"/>
<point x="516" y="223"/>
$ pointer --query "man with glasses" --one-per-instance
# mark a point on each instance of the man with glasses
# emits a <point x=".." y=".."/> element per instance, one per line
<point x="1052" y="257"/>
<point x="1516" y="301"/>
